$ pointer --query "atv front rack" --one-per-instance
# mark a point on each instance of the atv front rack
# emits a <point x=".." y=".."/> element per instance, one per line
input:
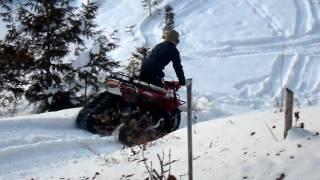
<point x="134" y="82"/>
<point x="133" y="90"/>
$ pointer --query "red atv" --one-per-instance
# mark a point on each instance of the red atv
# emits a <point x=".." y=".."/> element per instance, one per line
<point x="140" y="112"/>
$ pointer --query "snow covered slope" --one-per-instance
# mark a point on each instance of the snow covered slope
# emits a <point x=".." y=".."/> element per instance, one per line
<point x="250" y="146"/>
<point x="239" y="53"/>
<point x="44" y="141"/>
<point x="244" y="147"/>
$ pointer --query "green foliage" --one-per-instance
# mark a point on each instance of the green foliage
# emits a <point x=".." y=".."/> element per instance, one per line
<point x="93" y="74"/>
<point x="151" y="4"/>
<point x="136" y="59"/>
<point x="168" y="19"/>
<point x="13" y="65"/>
<point x="44" y="31"/>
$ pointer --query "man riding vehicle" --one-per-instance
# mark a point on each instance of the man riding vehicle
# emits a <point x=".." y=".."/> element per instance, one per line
<point x="160" y="56"/>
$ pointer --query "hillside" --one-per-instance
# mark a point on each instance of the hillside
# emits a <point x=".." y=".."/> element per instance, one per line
<point x="240" y="54"/>
<point x="250" y="146"/>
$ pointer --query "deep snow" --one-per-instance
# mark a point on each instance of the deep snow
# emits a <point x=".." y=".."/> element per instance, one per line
<point x="36" y="142"/>
<point x="250" y="146"/>
<point x="240" y="55"/>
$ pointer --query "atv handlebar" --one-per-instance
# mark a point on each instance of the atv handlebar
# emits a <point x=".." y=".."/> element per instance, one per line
<point x="174" y="85"/>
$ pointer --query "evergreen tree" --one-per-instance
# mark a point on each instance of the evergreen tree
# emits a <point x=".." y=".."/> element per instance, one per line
<point x="151" y="4"/>
<point x="93" y="74"/>
<point x="47" y="28"/>
<point x="168" y="19"/>
<point x="140" y="54"/>
<point x="131" y="29"/>
<point x="13" y="64"/>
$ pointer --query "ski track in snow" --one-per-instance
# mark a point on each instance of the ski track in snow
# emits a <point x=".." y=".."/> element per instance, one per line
<point x="306" y="45"/>
<point x="303" y="17"/>
<point x="314" y="7"/>
<point x="306" y="21"/>
<point x="261" y="11"/>
<point x="295" y="75"/>
<point x="298" y="71"/>
<point x="302" y="44"/>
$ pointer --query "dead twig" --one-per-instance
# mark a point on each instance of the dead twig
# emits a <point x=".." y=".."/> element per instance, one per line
<point x="273" y="135"/>
<point x="93" y="151"/>
<point x="146" y="165"/>
<point x="153" y="173"/>
<point x="169" y="161"/>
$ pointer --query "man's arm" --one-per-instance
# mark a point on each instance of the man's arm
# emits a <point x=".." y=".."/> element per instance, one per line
<point x="176" y="61"/>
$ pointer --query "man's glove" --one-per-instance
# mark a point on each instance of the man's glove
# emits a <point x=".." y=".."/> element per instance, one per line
<point x="176" y="85"/>
<point x="182" y="82"/>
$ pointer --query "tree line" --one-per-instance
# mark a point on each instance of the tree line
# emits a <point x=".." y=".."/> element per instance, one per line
<point x="36" y="52"/>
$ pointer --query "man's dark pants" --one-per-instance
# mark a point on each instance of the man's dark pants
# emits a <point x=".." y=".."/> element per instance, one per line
<point x="151" y="78"/>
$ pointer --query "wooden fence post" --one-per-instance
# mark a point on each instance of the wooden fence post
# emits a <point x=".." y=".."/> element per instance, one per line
<point x="288" y="111"/>
<point x="189" y="98"/>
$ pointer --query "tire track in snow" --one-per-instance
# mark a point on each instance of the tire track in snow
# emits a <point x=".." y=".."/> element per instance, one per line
<point x="263" y="13"/>
<point x="308" y="45"/>
<point x="31" y="143"/>
<point x="51" y="153"/>
<point x="294" y="44"/>
<point x="304" y="42"/>
<point x="297" y="74"/>
<point x="303" y="22"/>
<point x="304" y="72"/>
<point x="295" y="71"/>
<point x="307" y="21"/>
<point x="314" y="75"/>
<point x="272" y="85"/>
<point x="147" y="34"/>
<point x="315" y="9"/>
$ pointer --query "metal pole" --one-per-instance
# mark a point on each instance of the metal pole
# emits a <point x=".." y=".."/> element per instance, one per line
<point x="189" y="98"/>
<point x="288" y="111"/>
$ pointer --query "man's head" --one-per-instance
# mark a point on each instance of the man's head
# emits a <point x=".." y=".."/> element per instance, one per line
<point x="172" y="36"/>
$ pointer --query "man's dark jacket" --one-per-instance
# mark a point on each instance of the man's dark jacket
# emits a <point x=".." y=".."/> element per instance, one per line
<point x="160" y="56"/>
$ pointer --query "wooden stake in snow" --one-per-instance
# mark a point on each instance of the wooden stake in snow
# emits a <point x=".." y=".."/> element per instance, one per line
<point x="189" y="98"/>
<point x="288" y="112"/>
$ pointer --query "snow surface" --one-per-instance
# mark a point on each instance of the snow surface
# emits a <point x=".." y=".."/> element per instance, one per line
<point x="250" y="146"/>
<point x="82" y="60"/>
<point x="35" y="142"/>
<point x="240" y="55"/>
